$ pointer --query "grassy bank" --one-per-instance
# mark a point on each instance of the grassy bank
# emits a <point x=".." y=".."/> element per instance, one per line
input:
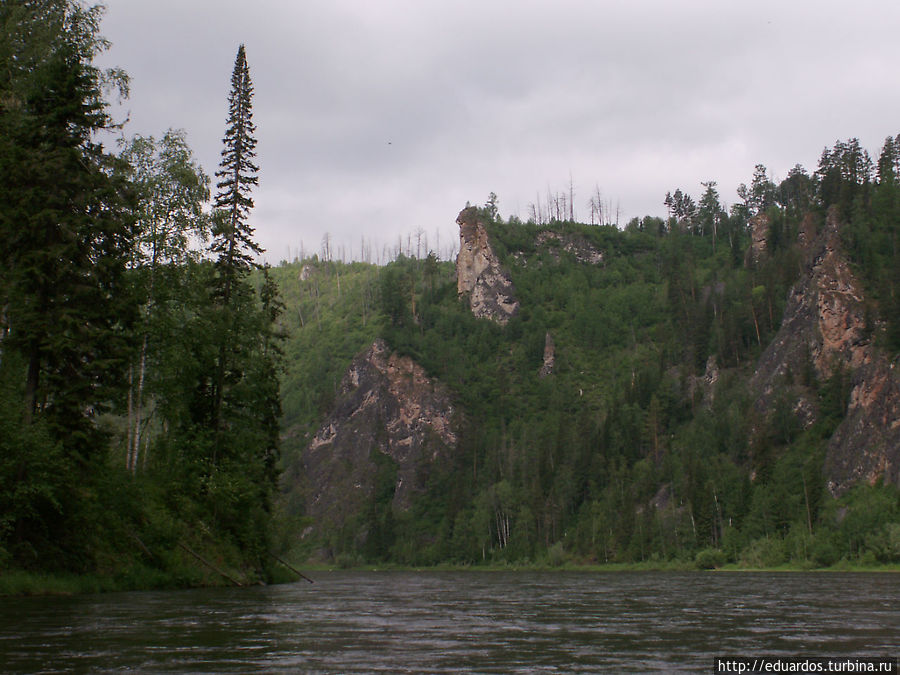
<point x="25" y="583"/>
<point x="648" y="566"/>
<point x="22" y="583"/>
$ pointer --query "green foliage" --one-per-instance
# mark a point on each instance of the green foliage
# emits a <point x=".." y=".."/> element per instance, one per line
<point x="65" y="240"/>
<point x="760" y="195"/>
<point x="118" y="340"/>
<point x="871" y="207"/>
<point x="170" y="189"/>
<point x="116" y="335"/>
<point x="331" y="316"/>
<point x="33" y="468"/>
<point x="237" y="174"/>
<point x="623" y="454"/>
<point x="65" y="237"/>
<point x="865" y="520"/>
<point x="710" y="558"/>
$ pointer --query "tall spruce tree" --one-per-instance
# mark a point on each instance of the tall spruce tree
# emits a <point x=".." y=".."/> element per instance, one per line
<point x="237" y="476"/>
<point x="233" y="236"/>
<point x="234" y="242"/>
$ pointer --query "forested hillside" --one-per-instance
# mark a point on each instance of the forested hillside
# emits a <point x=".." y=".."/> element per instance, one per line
<point x="616" y="417"/>
<point x="719" y="385"/>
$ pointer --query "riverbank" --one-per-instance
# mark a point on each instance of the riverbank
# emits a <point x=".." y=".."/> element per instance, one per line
<point x="648" y="566"/>
<point x="17" y="582"/>
<point x="24" y="583"/>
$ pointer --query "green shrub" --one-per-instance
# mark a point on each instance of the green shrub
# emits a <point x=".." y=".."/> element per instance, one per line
<point x="764" y="552"/>
<point x="710" y="558"/>
<point x="824" y="551"/>
<point x="556" y="555"/>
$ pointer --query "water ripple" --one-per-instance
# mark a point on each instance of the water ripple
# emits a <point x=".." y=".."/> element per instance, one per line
<point x="484" y="622"/>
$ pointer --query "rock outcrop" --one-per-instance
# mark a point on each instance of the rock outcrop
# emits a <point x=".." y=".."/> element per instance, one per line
<point x="703" y="388"/>
<point x="386" y="405"/>
<point x="549" y="364"/>
<point x="824" y="329"/>
<point x="759" y="233"/>
<point x="581" y="249"/>
<point x="866" y="445"/>
<point x="479" y="275"/>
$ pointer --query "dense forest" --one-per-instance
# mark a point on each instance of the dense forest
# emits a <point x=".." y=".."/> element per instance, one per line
<point x="139" y="345"/>
<point x="158" y="387"/>
<point x="626" y="453"/>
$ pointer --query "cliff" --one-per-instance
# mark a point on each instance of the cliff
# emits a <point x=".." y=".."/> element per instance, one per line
<point x="824" y="329"/>
<point x="387" y="408"/>
<point x="479" y="275"/>
<point x="866" y="445"/>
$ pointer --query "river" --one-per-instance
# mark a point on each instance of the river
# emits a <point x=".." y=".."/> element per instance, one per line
<point x="448" y="622"/>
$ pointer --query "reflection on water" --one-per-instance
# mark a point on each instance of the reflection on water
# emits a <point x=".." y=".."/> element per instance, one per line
<point x="432" y="622"/>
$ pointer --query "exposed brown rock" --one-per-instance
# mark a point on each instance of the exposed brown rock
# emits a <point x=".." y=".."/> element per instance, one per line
<point x="387" y="404"/>
<point x="479" y="274"/>
<point x="824" y="329"/>
<point x="866" y="445"/>
<point x="759" y="232"/>
<point x="823" y="322"/>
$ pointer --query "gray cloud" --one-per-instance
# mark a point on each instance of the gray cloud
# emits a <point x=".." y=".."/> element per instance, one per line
<point x="379" y="119"/>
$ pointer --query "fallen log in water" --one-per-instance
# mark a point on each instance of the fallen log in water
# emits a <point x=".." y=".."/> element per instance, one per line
<point x="292" y="568"/>
<point x="209" y="564"/>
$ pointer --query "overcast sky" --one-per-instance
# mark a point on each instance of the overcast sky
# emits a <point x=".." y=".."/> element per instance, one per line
<point x="380" y="118"/>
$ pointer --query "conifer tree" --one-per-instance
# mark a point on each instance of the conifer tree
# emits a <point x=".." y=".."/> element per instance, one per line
<point x="233" y="236"/>
<point x="237" y="175"/>
<point x="66" y="304"/>
<point x="64" y="234"/>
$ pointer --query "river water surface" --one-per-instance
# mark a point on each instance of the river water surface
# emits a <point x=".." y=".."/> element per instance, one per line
<point x="437" y="622"/>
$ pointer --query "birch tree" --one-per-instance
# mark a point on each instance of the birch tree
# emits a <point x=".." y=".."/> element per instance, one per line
<point x="171" y="191"/>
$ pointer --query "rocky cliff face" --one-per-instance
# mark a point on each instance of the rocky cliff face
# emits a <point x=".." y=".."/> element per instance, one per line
<point x="479" y="275"/>
<point x="809" y="337"/>
<point x="388" y="406"/>
<point x="759" y="232"/>
<point x="824" y="327"/>
<point x="866" y="446"/>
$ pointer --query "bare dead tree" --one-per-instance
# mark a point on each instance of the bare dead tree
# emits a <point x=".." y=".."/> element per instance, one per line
<point x="571" y="198"/>
<point x="598" y="198"/>
<point x="419" y="233"/>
